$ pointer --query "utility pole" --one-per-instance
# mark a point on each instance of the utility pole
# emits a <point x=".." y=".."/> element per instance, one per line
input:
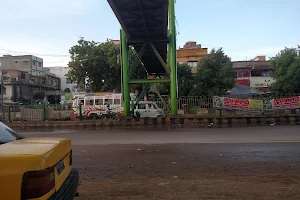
<point x="2" y="90"/>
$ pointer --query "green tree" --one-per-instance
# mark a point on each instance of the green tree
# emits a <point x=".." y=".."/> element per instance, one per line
<point x="67" y="90"/>
<point x="185" y="79"/>
<point x="98" y="64"/>
<point x="214" y="76"/>
<point x="286" y="72"/>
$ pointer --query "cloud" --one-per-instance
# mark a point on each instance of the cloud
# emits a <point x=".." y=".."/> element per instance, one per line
<point x="37" y="9"/>
<point x="269" y="51"/>
<point x="247" y="54"/>
<point x="41" y="49"/>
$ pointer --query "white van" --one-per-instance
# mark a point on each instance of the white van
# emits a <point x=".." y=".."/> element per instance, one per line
<point x="148" y="109"/>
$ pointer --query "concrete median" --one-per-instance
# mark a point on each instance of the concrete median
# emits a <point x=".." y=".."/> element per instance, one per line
<point x="161" y="122"/>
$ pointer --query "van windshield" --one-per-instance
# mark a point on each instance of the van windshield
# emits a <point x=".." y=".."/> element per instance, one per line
<point x="152" y="106"/>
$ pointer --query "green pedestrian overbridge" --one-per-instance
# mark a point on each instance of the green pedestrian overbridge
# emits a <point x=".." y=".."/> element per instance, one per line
<point x="148" y="26"/>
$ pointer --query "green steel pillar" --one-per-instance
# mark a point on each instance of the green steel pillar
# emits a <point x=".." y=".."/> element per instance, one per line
<point x="169" y="51"/>
<point x="172" y="54"/>
<point x="125" y="68"/>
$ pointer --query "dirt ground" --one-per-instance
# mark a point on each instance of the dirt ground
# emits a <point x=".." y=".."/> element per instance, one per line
<point x="189" y="171"/>
<point x="236" y="164"/>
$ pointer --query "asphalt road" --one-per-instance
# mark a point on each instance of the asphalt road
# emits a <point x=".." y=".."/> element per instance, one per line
<point x="170" y="136"/>
<point x="240" y="163"/>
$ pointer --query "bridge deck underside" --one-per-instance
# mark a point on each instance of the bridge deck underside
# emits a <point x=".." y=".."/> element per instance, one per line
<point x="145" y="21"/>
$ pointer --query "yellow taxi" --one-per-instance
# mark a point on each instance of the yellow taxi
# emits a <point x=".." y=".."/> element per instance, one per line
<point x="36" y="168"/>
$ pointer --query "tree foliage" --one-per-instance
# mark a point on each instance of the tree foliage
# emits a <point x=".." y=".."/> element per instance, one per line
<point x="214" y="76"/>
<point x="286" y="71"/>
<point x="67" y="90"/>
<point x="185" y="81"/>
<point x="98" y="64"/>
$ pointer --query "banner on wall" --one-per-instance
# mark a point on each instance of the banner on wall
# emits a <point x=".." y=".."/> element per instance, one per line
<point x="286" y="103"/>
<point x="256" y="105"/>
<point x="237" y="104"/>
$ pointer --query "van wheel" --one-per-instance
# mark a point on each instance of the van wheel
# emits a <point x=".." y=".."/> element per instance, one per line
<point x="93" y="116"/>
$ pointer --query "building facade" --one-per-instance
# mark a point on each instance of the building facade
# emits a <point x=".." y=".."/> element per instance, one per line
<point x="29" y="63"/>
<point x="191" y="53"/>
<point x="22" y="87"/>
<point x="25" y="80"/>
<point x="61" y="72"/>
<point x="255" y="73"/>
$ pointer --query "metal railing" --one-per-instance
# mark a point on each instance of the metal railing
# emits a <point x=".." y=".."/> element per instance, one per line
<point x="196" y="107"/>
<point x="240" y="106"/>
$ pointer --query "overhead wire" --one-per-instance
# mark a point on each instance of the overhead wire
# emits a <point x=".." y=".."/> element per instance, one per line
<point x="177" y="32"/>
<point x="39" y="54"/>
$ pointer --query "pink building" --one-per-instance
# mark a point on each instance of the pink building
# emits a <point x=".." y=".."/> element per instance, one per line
<point x="254" y="73"/>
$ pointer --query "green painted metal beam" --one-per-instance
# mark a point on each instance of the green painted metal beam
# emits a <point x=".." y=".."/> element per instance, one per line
<point x="154" y="41"/>
<point x="162" y="62"/>
<point x="162" y="99"/>
<point x="141" y="81"/>
<point x="125" y="69"/>
<point x="169" y="52"/>
<point x="121" y="64"/>
<point x="143" y="93"/>
<point x="173" y="62"/>
<point x="138" y="59"/>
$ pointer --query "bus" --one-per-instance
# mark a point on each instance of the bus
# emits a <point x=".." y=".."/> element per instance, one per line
<point x="94" y="104"/>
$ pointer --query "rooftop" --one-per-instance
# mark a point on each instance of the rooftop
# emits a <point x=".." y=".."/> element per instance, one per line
<point x="252" y="65"/>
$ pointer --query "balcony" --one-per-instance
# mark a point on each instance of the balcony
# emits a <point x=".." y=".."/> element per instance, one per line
<point x="38" y="83"/>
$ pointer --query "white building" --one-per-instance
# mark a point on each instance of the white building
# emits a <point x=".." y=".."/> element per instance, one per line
<point x="61" y="73"/>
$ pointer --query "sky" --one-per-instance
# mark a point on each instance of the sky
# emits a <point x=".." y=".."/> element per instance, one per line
<point x="244" y="29"/>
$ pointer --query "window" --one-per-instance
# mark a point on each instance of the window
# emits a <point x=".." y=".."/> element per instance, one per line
<point x="4" y="90"/>
<point x="117" y="101"/>
<point x="98" y="102"/>
<point x="108" y="101"/>
<point x="33" y="63"/>
<point x="243" y="74"/>
<point x="256" y="73"/>
<point x="151" y="106"/>
<point x="192" y="63"/>
<point x="40" y="65"/>
<point x="23" y="76"/>
<point x="89" y="102"/>
<point x="80" y="101"/>
<point x="142" y="106"/>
